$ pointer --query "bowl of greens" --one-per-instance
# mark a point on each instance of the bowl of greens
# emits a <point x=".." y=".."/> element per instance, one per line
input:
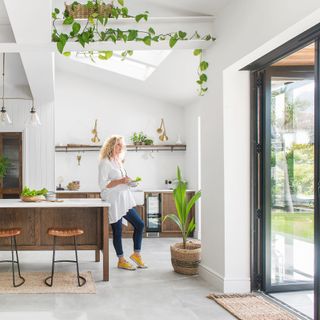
<point x="135" y="182"/>
<point x="32" y="195"/>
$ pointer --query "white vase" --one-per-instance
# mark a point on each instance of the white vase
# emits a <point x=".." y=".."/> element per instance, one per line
<point x="179" y="140"/>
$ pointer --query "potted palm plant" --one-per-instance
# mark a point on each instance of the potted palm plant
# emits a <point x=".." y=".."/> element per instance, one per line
<point x="185" y="256"/>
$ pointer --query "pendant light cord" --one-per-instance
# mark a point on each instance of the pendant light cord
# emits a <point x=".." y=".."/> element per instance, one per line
<point x="3" y="63"/>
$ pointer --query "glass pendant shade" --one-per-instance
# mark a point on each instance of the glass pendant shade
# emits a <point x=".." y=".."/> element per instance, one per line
<point x="33" y="119"/>
<point x="4" y="117"/>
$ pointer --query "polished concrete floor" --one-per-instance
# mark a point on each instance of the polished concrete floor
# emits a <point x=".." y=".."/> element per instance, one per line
<point x="151" y="294"/>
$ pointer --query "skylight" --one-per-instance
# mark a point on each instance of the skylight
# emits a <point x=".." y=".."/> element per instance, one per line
<point x="138" y="66"/>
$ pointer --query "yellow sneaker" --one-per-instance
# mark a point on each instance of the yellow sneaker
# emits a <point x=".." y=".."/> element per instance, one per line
<point x="138" y="260"/>
<point x="126" y="265"/>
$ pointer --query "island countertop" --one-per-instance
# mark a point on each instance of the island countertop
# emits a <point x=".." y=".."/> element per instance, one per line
<point x="65" y="203"/>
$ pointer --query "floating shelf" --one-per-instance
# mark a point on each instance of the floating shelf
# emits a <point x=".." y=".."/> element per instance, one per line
<point x="130" y="147"/>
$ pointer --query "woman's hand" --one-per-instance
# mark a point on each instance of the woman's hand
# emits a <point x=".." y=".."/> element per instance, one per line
<point x="114" y="183"/>
<point x="125" y="180"/>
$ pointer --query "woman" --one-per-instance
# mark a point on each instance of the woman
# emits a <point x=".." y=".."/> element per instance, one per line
<point x="114" y="185"/>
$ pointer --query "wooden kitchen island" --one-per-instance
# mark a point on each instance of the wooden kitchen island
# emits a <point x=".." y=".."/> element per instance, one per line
<point x="34" y="218"/>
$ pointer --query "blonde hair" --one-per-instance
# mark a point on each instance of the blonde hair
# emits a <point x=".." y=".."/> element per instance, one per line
<point x="107" y="150"/>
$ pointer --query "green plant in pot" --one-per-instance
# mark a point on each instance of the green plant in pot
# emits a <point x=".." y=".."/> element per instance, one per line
<point x="140" y="138"/>
<point x="185" y="256"/>
<point x="4" y="165"/>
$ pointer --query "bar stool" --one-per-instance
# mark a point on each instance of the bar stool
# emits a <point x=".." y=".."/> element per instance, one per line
<point x="12" y="233"/>
<point x="64" y="232"/>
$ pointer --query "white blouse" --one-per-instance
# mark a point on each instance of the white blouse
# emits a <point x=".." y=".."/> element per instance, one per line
<point x="120" y="197"/>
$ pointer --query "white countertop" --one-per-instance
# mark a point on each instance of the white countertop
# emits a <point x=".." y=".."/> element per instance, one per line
<point x="66" y="203"/>
<point x="134" y="190"/>
<point x="77" y="191"/>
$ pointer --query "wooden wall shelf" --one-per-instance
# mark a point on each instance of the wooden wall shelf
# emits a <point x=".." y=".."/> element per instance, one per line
<point x="130" y="147"/>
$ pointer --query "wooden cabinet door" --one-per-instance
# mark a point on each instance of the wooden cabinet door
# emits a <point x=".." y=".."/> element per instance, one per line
<point x="169" y="207"/>
<point x="95" y="195"/>
<point x="11" y="148"/>
<point x="71" y="195"/>
<point x="127" y="231"/>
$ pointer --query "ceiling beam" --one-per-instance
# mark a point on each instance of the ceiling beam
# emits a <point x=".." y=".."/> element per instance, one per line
<point x="38" y="65"/>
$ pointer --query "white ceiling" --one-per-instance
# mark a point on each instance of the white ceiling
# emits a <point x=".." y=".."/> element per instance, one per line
<point x="3" y="13"/>
<point x="173" y="81"/>
<point x="202" y="7"/>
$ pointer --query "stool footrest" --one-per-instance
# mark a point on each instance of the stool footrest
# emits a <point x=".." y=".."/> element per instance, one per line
<point x="73" y="261"/>
<point x="50" y="278"/>
<point x="9" y="261"/>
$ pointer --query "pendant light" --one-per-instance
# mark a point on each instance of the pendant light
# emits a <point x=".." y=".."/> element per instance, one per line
<point x="4" y="117"/>
<point x="33" y="119"/>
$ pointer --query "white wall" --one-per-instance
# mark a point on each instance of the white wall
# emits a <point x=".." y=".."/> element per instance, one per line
<point x="38" y="143"/>
<point x="79" y="101"/>
<point x="245" y="30"/>
<point x="193" y="141"/>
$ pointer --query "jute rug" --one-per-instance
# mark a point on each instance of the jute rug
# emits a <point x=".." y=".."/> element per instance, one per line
<point x="63" y="282"/>
<point x="251" y="307"/>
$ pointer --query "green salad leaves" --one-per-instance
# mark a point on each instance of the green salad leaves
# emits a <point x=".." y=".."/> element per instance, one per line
<point x="27" y="192"/>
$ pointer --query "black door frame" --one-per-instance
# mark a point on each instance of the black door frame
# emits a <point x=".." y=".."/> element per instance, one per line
<point x="306" y="73"/>
<point x="256" y="148"/>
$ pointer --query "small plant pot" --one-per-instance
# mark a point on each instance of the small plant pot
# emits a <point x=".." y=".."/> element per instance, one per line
<point x="186" y="261"/>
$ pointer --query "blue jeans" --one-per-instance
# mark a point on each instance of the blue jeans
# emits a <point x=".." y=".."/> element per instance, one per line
<point x="133" y="217"/>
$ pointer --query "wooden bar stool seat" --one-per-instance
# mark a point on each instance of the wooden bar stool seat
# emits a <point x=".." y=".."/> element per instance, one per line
<point x="12" y="233"/>
<point x="62" y="233"/>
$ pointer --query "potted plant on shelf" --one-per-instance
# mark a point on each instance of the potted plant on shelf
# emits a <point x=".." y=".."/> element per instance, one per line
<point x="4" y="165"/>
<point x="140" y="139"/>
<point x="185" y="256"/>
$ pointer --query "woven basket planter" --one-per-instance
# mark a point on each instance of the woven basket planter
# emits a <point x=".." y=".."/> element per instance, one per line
<point x="186" y="261"/>
<point x="81" y="11"/>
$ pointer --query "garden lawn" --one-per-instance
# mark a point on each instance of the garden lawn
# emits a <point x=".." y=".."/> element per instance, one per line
<point x="299" y="225"/>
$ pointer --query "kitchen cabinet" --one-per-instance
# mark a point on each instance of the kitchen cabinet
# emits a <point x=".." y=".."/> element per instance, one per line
<point x="11" y="148"/>
<point x="169" y="228"/>
<point x="127" y="231"/>
<point x="77" y="195"/>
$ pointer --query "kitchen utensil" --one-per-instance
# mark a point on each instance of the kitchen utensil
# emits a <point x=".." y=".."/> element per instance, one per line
<point x="79" y="159"/>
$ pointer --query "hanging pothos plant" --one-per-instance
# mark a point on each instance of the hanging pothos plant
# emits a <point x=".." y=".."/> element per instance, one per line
<point x="96" y="29"/>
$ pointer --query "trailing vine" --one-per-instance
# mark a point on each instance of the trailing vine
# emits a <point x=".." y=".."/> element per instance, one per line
<point x="96" y="29"/>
